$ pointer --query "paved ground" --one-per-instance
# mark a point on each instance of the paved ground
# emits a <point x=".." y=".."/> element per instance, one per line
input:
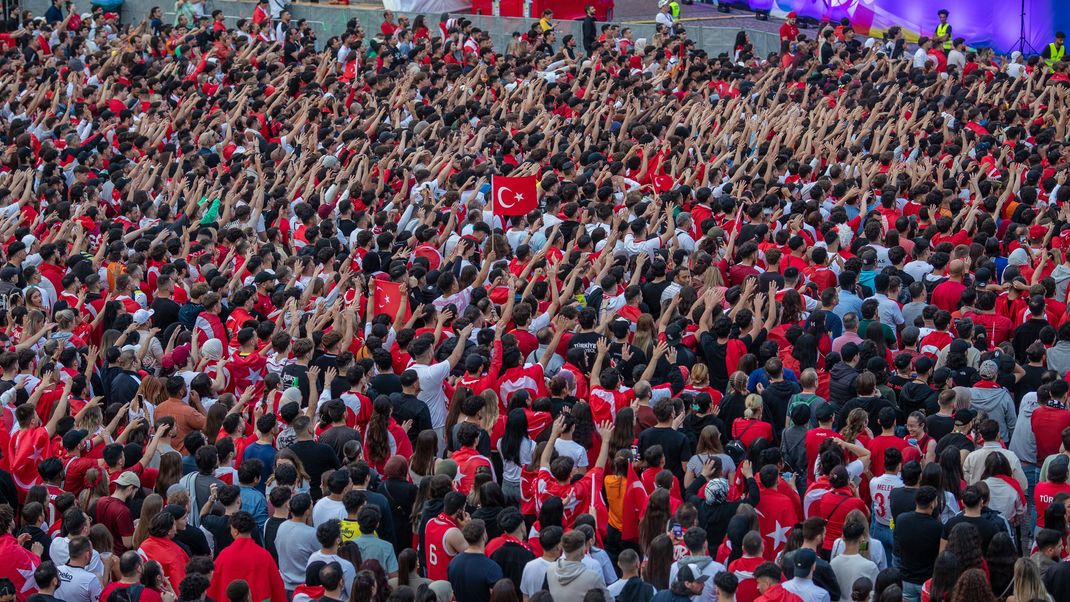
<point x="696" y="14"/>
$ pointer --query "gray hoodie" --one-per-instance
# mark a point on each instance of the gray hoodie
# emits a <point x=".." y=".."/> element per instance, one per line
<point x="1059" y="357"/>
<point x="570" y="580"/>
<point x="998" y="405"/>
<point x="700" y="565"/>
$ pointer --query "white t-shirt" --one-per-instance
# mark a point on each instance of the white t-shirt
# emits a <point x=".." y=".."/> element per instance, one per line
<point x="511" y="470"/>
<point x="327" y="509"/>
<point x="880" y="488"/>
<point x="849" y="568"/>
<point x="920" y="58"/>
<point x="77" y="585"/>
<point x="571" y="449"/>
<point x="349" y="572"/>
<point x="431" y="392"/>
<point x="534" y="576"/>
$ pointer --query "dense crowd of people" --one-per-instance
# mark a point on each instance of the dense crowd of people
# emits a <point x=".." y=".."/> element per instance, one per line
<point x="781" y="328"/>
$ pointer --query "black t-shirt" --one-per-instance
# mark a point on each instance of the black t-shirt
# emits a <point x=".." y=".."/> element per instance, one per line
<point x="715" y="354"/>
<point x="588" y="343"/>
<point x="652" y="296"/>
<point x="985" y="527"/>
<point x="626" y="367"/>
<point x="872" y="405"/>
<point x="675" y="445"/>
<point x="164" y="312"/>
<point x="939" y="425"/>
<point x="271" y="529"/>
<point x="409" y="407"/>
<point x="917" y="543"/>
<point x="958" y="440"/>
<point x="384" y="384"/>
<point x="296" y="375"/>
<point x="337" y="436"/>
<point x="472" y="575"/>
<point x="901" y="500"/>
<point x="317" y="459"/>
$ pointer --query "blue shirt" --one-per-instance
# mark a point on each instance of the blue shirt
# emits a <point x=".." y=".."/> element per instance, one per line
<point x="264" y="453"/>
<point x="373" y="548"/>
<point x="849" y="303"/>
<point x="758" y="376"/>
<point x="254" y="502"/>
<point x="472" y="575"/>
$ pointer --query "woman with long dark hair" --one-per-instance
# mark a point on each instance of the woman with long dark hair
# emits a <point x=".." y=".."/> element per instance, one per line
<point x="623" y="436"/>
<point x="1000" y="558"/>
<point x="402" y="498"/>
<point x="972" y="586"/>
<point x="945" y="574"/>
<point x="655" y="519"/>
<point x="422" y="463"/>
<point x="516" y="448"/>
<point x="946" y="504"/>
<point x="551" y="514"/>
<point x="659" y="559"/>
<point x="964" y="541"/>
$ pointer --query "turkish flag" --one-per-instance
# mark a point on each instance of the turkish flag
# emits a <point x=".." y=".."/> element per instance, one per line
<point x="388" y="298"/>
<point x="634" y="506"/>
<point x="514" y="196"/>
<point x="27" y="449"/>
<point x="18" y="566"/>
<point x="247" y="370"/>
<point x="776" y="517"/>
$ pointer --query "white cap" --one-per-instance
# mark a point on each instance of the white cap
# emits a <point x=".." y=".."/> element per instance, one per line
<point x="663" y="3"/>
<point x="212" y="349"/>
<point x="142" y="316"/>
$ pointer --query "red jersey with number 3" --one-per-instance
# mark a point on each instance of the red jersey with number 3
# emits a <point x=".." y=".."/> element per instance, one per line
<point x="436" y="558"/>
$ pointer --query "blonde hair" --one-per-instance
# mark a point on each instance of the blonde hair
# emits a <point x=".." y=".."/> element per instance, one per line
<point x="1027" y="582"/>
<point x="857" y="421"/>
<point x="856" y="516"/>
<point x="490" y="409"/>
<point x="645" y="333"/>
<point x="737" y="383"/>
<point x="754" y="406"/>
<point x="700" y="374"/>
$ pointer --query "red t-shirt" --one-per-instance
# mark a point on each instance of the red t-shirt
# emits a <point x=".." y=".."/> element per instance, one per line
<point x="814" y="439"/>
<point x="749" y="430"/>
<point x="833" y="507"/>
<point x="876" y="449"/>
<point x="147" y="595"/>
<point x="1048" y="424"/>
<point x="1044" y="494"/>
<point x="946" y="295"/>
<point x="116" y="516"/>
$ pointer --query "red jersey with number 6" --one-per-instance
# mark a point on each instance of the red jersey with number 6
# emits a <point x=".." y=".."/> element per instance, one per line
<point x="436" y="557"/>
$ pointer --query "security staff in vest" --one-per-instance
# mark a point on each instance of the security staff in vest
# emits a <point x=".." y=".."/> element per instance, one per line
<point x="943" y="30"/>
<point x="1055" y="51"/>
<point x="674" y="8"/>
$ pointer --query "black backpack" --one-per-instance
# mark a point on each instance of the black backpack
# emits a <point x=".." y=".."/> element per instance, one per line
<point x="126" y="594"/>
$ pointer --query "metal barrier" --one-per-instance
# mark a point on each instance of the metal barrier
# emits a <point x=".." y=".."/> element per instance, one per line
<point x="329" y="20"/>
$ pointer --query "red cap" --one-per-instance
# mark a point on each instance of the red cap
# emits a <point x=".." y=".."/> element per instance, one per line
<point x="110" y="16"/>
<point x="1037" y="231"/>
<point x="792" y="15"/>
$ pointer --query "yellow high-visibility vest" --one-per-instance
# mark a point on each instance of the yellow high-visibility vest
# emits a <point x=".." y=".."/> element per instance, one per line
<point x="941" y="30"/>
<point x="1055" y="54"/>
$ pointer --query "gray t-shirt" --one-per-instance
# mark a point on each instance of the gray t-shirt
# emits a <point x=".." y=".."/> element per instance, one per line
<point x="295" y="543"/>
<point x="697" y="461"/>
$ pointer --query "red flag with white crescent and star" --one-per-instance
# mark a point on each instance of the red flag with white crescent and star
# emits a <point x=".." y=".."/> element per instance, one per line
<point x="514" y="196"/>
<point x="247" y="370"/>
<point x="28" y="448"/>
<point x="388" y="298"/>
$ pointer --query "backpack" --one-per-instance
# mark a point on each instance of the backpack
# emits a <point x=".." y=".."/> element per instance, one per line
<point x="126" y="594"/>
<point x="735" y="448"/>
<point x="189" y="483"/>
